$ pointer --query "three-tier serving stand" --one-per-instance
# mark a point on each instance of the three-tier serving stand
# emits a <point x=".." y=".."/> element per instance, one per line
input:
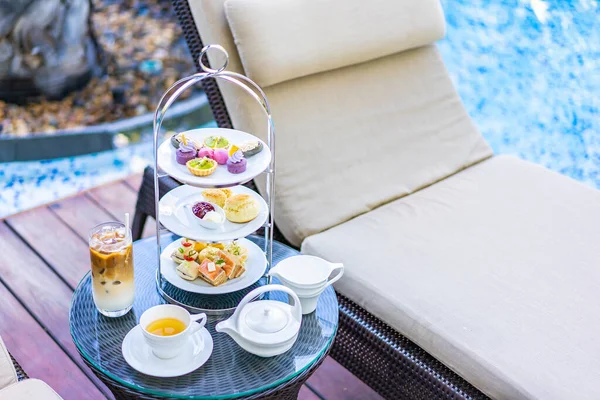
<point x="212" y="304"/>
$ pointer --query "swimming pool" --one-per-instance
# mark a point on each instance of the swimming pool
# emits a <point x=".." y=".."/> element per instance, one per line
<point x="529" y="75"/>
<point x="528" y="72"/>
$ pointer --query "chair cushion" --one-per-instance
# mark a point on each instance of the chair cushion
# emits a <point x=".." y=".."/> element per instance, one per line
<point x="352" y="139"/>
<point x="282" y="40"/>
<point x="495" y="271"/>
<point x="8" y="375"/>
<point x="29" y="389"/>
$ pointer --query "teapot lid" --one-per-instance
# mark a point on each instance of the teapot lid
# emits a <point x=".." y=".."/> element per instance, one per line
<point x="265" y="322"/>
<point x="266" y="318"/>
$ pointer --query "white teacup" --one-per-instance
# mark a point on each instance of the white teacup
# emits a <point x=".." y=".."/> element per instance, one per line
<point x="170" y="346"/>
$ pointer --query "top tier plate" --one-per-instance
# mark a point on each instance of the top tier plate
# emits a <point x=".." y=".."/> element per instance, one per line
<point x="256" y="164"/>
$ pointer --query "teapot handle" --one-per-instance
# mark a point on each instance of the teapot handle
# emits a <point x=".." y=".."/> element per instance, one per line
<point x="297" y="308"/>
<point x="336" y="267"/>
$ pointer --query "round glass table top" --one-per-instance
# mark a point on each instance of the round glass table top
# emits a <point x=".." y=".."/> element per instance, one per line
<point x="230" y="372"/>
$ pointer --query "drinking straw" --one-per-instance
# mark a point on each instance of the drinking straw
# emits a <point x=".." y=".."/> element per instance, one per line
<point x="126" y="224"/>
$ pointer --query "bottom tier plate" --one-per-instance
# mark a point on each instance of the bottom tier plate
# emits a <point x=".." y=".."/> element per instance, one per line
<point x="256" y="265"/>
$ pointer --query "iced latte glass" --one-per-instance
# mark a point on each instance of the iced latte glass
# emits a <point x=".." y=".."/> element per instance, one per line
<point x="111" y="254"/>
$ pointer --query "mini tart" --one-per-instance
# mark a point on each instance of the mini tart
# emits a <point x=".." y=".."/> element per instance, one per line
<point x="216" y="142"/>
<point x="201" y="166"/>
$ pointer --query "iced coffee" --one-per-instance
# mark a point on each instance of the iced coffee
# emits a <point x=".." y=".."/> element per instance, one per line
<point x="111" y="254"/>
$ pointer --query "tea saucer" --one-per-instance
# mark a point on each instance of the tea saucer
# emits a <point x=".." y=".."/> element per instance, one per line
<point x="196" y="351"/>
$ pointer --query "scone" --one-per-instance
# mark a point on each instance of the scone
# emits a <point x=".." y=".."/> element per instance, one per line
<point x="241" y="208"/>
<point x="215" y="196"/>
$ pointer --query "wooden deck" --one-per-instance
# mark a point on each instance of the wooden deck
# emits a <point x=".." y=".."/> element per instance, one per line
<point x="44" y="254"/>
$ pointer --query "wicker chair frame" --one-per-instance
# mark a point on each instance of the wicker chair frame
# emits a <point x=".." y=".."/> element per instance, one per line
<point x="21" y="374"/>
<point x="381" y="357"/>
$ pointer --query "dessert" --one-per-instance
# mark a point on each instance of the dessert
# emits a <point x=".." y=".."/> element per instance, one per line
<point x="232" y="150"/>
<point x="215" y="196"/>
<point x="241" y="208"/>
<point x="206" y="152"/>
<point x="239" y="251"/>
<point x="177" y="139"/>
<point x="185" y="152"/>
<point x="251" y="148"/>
<point x="201" y="166"/>
<point x="212" y="273"/>
<point x="111" y="255"/>
<point x="188" y="270"/>
<point x="221" y="156"/>
<point x="216" y="142"/>
<point x="236" y="163"/>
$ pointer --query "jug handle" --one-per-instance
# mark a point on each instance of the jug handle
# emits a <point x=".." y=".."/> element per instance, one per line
<point x="297" y="309"/>
<point x="336" y="267"/>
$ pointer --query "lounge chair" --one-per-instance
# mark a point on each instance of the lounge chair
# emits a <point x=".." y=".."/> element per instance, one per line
<point x="487" y="263"/>
<point x="14" y="382"/>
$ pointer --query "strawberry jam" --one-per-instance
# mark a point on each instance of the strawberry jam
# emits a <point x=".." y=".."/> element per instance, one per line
<point x="201" y="208"/>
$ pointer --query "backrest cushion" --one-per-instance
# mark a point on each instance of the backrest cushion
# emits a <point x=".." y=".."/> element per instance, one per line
<point x="351" y="139"/>
<point x="282" y="40"/>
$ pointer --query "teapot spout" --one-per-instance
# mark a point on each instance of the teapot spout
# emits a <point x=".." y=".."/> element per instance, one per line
<point x="228" y="328"/>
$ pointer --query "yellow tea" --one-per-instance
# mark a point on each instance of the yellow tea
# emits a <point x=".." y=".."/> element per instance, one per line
<point x="165" y="327"/>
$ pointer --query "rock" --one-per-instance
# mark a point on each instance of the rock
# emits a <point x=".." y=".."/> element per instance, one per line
<point x="118" y="94"/>
<point x="20" y="127"/>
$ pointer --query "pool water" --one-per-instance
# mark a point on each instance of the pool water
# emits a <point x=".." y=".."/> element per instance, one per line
<point x="529" y="75"/>
<point x="527" y="71"/>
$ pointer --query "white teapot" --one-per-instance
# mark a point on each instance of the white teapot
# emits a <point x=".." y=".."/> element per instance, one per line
<point x="307" y="276"/>
<point x="264" y="327"/>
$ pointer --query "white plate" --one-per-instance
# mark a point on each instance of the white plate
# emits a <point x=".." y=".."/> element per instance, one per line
<point x="255" y="269"/>
<point x="196" y="351"/>
<point x="221" y="177"/>
<point x="175" y="218"/>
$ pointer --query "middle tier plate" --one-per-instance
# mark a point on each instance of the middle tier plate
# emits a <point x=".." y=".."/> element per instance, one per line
<point x="174" y="217"/>
<point x="256" y="265"/>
